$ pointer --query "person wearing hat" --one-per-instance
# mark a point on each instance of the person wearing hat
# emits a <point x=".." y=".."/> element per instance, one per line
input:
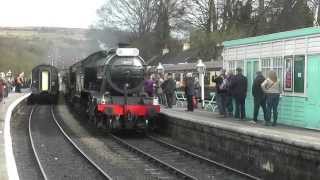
<point x="240" y="84"/>
<point x="259" y="97"/>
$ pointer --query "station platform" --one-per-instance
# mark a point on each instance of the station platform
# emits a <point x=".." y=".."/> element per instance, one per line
<point x="7" y="104"/>
<point x="269" y="152"/>
<point x="286" y="134"/>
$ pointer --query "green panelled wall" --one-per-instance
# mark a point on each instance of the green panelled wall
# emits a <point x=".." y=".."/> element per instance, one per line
<point x="251" y="67"/>
<point x="312" y="112"/>
<point x="293" y="110"/>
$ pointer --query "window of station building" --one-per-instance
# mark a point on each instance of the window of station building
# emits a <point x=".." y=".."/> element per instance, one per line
<point x="177" y="77"/>
<point x="294" y="75"/>
<point x="233" y="65"/>
<point x="207" y="78"/>
<point x="275" y="64"/>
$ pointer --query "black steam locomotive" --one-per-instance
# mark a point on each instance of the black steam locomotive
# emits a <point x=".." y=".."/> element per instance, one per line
<point x="44" y="84"/>
<point x="108" y="85"/>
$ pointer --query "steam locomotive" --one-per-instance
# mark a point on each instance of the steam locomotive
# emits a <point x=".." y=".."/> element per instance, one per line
<point x="108" y="85"/>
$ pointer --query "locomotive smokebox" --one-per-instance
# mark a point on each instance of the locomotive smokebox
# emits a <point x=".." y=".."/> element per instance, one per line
<point x="126" y="68"/>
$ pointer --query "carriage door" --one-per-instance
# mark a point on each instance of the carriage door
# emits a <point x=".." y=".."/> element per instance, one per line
<point x="44" y="80"/>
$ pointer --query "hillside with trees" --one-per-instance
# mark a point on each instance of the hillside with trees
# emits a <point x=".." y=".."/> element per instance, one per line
<point x="164" y="24"/>
<point x="23" y="48"/>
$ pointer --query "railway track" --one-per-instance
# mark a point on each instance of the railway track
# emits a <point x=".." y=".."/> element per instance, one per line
<point x="57" y="155"/>
<point x="180" y="161"/>
<point x="150" y="157"/>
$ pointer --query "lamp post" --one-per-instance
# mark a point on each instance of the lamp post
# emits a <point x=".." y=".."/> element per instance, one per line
<point x="201" y="68"/>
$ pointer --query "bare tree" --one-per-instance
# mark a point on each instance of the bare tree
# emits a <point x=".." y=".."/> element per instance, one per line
<point x="136" y="16"/>
<point x="202" y="14"/>
<point x="315" y="5"/>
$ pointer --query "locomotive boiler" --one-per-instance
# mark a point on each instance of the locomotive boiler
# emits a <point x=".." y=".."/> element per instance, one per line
<point x="108" y="85"/>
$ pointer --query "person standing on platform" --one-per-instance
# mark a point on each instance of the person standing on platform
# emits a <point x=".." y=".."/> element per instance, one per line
<point x="149" y="86"/>
<point x="19" y="82"/>
<point x="271" y="86"/>
<point x="159" y="90"/>
<point x="189" y="91"/>
<point x="230" y="92"/>
<point x="259" y="97"/>
<point x="221" y="92"/>
<point x="169" y="86"/>
<point x="240" y="92"/>
<point x="197" y="91"/>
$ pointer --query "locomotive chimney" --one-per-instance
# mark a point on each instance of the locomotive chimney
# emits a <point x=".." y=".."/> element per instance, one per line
<point x="123" y="45"/>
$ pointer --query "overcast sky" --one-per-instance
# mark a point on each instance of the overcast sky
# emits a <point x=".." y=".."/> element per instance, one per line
<point x="54" y="13"/>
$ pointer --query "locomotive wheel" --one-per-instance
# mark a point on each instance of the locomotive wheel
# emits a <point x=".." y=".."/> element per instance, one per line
<point x="95" y="120"/>
<point x="99" y="121"/>
<point x="91" y="118"/>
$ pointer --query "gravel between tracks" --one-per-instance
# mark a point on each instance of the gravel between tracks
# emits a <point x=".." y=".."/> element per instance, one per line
<point x="58" y="157"/>
<point x="26" y="163"/>
<point x="192" y="166"/>
<point x="118" y="162"/>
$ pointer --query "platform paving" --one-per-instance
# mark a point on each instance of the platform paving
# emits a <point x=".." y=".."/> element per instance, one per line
<point x="285" y="134"/>
<point x="3" y="109"/>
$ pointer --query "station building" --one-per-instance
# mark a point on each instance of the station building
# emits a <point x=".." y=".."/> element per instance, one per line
<point x="295" y="56"/>
<point x="179" y="64"/>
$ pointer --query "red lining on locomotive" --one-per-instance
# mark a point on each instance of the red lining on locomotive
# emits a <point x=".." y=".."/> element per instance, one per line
<point x="119" y="110"/>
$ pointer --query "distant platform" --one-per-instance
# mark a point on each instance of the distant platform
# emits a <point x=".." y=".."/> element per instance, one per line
<point x="4" y="107"/>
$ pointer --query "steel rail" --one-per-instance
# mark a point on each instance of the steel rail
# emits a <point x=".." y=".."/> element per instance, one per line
<point x="149" y="156"/>
<point x="196" y="156"/>
<point x="33" y="146"/>
<point x="79" y="149"/>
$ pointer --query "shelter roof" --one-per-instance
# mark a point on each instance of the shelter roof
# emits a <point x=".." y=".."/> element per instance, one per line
<point x="188" y="56"/>
<point x="273" y="37"/>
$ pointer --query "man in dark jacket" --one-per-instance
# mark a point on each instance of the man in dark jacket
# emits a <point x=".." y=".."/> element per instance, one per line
<point x="259" y="96"/>
<point x="189" y="91"/>
<point x="229" y="95"/>
<point x="239" y="87"/>
<point x="169" y="87"/>
<point x="221" y="92"/>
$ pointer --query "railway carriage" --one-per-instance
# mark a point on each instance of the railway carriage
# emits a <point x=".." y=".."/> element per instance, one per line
<point x="45" y="84"/>
<point x="108" y="85"/>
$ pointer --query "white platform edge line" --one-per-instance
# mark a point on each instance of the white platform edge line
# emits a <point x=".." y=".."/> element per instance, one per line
<point x="12" y="171"/>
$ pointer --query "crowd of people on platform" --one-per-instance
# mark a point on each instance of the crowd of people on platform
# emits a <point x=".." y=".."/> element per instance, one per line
<point x="164" y="88"/>
<point x="233" y="88"/>
<point x="230" y="93"/>
<point x="11" y="84"/>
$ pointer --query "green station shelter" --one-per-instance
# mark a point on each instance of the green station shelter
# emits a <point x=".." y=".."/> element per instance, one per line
<point x="295" y="56"/>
